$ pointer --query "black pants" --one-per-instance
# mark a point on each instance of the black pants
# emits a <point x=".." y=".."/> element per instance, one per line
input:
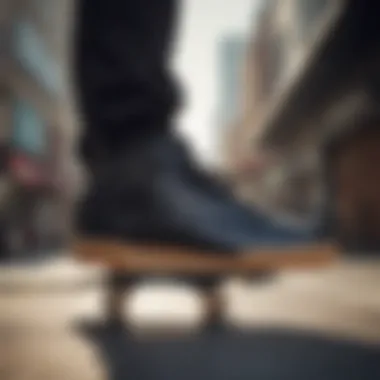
<point x="125" y="89"/>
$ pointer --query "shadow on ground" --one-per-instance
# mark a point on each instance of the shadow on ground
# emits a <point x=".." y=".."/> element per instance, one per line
<point x="261" y="355"/>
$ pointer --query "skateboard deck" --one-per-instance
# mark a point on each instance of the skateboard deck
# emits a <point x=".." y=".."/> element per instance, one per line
<point x="169" y="260"/>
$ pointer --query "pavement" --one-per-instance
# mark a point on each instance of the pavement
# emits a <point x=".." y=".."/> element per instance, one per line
<point x="57" y="271"/>
<point x="41" y="305"/>
<point x="342" y="299"/>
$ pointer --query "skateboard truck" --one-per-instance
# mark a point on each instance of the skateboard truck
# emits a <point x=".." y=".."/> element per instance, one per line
<point x="126" y="263"/>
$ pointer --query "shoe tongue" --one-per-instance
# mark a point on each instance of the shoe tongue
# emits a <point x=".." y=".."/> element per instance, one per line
<point x="168" y="149"/>
<point x="173" y="153"/>
<point x="198" y="175"/>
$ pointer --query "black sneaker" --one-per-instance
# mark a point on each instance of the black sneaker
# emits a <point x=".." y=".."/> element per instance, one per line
<point x="151" y="209"/>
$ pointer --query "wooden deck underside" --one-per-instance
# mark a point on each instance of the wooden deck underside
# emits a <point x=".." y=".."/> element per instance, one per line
<point x="161" y="259"/>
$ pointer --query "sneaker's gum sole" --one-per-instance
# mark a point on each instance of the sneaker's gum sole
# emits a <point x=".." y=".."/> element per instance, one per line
<point x="169" y="260"/>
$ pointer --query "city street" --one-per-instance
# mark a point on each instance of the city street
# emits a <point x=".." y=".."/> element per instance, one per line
<point x="281" y="101"/>
<point x="37" y="325"/>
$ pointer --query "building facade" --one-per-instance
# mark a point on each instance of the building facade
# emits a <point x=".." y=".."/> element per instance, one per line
<point x="33" y="130"/>
<point x="231" y="56"/>
<point x="311" y="104"/>
<point x="285" y="38"/>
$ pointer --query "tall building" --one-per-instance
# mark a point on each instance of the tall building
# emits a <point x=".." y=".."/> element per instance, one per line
<point x="312" y="98"/>
<point x="33" y="130"/>
<point x="231" y="57"/>
<point x="282" y="48"/>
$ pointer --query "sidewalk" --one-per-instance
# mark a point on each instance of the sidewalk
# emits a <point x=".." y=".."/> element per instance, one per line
<point x="340" y="300"/>
<point x="60" y="272"/>
<point x="40" y="340"/>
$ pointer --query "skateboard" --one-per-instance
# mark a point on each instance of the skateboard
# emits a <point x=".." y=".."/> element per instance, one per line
<point x="127" y="263"/>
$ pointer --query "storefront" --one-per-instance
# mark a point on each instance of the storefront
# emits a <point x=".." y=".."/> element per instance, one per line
<point x="31" y="199"/>
<point x="33" y="221"/>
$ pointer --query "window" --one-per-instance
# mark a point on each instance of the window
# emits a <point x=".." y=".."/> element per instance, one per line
<point x="48" y="16"/>
<point x="273" y="64"/>
<point x="28" y="132"/>
<point x="32" y="54"/>
<point x="309" y="12"/>
<point x="5" y="116"/>
<point x="232" y="55"/>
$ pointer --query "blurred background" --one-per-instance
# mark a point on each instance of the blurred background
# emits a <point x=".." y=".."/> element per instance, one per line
<point x="40" y="170"/>
<point x="276" y="94"/>
<point x="281" y="100"/>
<point x="36" y="128"/>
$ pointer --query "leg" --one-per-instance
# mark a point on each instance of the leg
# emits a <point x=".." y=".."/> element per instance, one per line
<point x="214" y="302"/>
<point x="117" y="290"/>
<point x="118" y="287"/>
<point x="122" y="50"/>
<point x="147" y="196"/>
<point x="115" y="298"/>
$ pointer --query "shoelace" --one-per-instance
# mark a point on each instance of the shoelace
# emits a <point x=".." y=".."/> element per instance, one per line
<point x="201" y="177"/>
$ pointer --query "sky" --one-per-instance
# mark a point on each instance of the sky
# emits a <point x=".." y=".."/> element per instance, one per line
<point x="203" y="23"/>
